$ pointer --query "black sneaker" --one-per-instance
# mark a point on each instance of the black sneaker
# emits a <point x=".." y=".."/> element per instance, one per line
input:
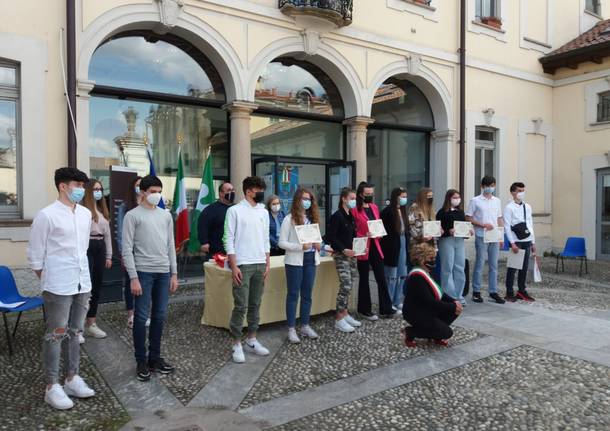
<point x="143" y="373"/>
<point x="476" y="297"/>
<point x="161" y="366"/>
<point x="510" y="297"/>
<point x="497" y="298"/>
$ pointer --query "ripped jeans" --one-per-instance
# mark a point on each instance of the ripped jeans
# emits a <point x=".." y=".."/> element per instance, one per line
<point x="64" y="319"/>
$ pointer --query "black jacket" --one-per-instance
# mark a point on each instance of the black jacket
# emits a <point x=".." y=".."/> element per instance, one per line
<point x="447" y="218"/>
<point x="211" y="226"/>
<point x="341" y="231"/>
<point x="390" y="244"/>
<point x="420" y="303"/>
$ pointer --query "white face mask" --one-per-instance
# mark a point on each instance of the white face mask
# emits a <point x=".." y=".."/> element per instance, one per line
<point x="521" y="196"/>
<point x="456" y="202"/>
<point x="276" y="208"/>
<point x="153" y="199"/>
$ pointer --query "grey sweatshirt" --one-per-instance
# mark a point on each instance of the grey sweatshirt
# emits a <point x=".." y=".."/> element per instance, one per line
<point x="148" y="241"/>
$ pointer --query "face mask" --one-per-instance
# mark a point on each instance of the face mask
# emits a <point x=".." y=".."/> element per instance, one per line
<point x="153" y="199"/>
<point x="137" y="190"/>
<point x="521" y="196"/>
<point x="76" y="194"/>
<point x="402" y="202"/>
<point x="351" y="204"/>
<point x="306" y="204"/>
<point x="489" y="190"/>
<point x="431" y="264"/>
<point x="368" y="199"/>
<point x="230" y="197"/>
<point x="276" y="208"/>
<point x="430" y="201"/>
<point x="259" y="197"/>
<point x="456" y="202"/>
<point x="98" y="194"/>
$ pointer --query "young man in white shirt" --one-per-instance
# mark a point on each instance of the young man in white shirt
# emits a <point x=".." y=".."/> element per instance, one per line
<point x="520" y="233"/>
<point x="57" y="252"/>
<point x="246" y="240"/>
<point x="485" y="214"/>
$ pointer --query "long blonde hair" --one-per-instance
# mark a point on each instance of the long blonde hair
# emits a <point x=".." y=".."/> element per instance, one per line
<point x="422" y="203"/>
<point x="92" y="205"/>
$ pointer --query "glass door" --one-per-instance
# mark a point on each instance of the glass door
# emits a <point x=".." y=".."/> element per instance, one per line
<point x="603" y="214"/>
<point x="339" y="175"/>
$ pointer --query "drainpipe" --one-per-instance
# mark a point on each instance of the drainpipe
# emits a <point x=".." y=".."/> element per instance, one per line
<point x="462" y="51"/>
<point x="71" y="79"/>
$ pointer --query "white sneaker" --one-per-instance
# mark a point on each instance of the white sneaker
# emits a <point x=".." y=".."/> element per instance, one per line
<point x="343" y="326"/>
<point x="397" y="313"/>
<point x="399" y="306"/>
<point x="81" y="339"/>
<point x="307" y="331"/>
<point x="253" y="346"/>
<point x="94" y="331"/>
<point x="238" y="354"/>
<point x="292" y="336"/>
<point x="352" y="322"/>
<point x="78" y="388"/>
<point x="57" y="398"/>
<point x="147" y="323"/>
<point x="371" y="317"/>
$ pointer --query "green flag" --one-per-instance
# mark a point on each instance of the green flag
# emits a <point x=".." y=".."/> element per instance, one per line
<point x="205" y="198"/>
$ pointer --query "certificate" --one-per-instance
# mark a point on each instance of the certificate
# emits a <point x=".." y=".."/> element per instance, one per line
<point x="462" y="229"/>
<point x="359" y="246"/>
<point x="309" y="233"/>
<point x="515" y="260"/>
<point x="376" y="228"/>
<point x="494" y="235"/>
<point x="432" y="229"/>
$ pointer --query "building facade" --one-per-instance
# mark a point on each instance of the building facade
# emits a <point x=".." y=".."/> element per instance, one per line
<point x="323" y="93"/>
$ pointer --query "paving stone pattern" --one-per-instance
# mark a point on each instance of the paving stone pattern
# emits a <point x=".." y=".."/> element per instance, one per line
<point x="338" y="355"/>
<point x="197" y="351"/>
<point x="523" y="389"/>
<point x="22" y="382"/>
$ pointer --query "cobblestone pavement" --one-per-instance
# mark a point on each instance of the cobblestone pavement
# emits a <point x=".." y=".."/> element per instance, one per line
<point x="523" y="389"/>
<point x="338" y="355"/>
<point x="195" y="350"/>
<point x="22" y="382"/>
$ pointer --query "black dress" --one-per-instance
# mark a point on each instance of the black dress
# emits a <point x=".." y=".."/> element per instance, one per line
<point x="429" y="316"/>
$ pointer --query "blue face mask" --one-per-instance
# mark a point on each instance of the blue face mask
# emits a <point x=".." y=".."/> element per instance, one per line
<point x="137" y="190"/>
<point x="76" y="194"/>
<point x="351" y="204"/>
<point x="306" y="204"/>
<point x="489" y="190"/>
<point x="98" y="194"/>
<point x="403" y="202"/>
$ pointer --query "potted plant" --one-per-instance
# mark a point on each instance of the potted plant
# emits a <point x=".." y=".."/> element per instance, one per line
<point x="492" y="21"/>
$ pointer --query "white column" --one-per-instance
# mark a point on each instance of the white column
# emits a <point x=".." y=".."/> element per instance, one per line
<point x="356" y="144"/>
<point x="443" y="149"/>
<point x="83" y="88"/>
<point x="240" y="148"/>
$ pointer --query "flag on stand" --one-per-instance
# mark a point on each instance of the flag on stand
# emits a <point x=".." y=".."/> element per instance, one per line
<point x="205" y="198"/>
<point x="152" y="170"/>
<point x="180" y="208"/>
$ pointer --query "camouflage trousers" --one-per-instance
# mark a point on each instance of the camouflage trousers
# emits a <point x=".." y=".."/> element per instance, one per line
<point x="348" y="277"/>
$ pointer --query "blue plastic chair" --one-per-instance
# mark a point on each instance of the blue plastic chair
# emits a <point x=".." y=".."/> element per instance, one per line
<point x="10" y="295"/>
<point x="506" y="244"/>
<point x="575" y="248"/>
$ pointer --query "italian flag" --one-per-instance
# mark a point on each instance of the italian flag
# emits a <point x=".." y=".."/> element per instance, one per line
<point x="205" y="198"/>
<point x="180" y="208"/>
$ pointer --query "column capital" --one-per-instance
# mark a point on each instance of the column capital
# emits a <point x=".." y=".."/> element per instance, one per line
<point x="447" y="135"/>
<point x="84" y="87"/>
<point x="358" y="122"/>
<point x="240" y="108"/>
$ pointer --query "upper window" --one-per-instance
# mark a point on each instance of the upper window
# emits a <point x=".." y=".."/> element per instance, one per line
<point x="399" y="102"/>
<point x="10" y="201"/>
<point x="157" y="64"/>
<point x="295" y="85"/>
<point x="487" y="8"/>
<point x="485" y="155"/>
<point x="603" y="107"/>
<point x="593" y="6"/>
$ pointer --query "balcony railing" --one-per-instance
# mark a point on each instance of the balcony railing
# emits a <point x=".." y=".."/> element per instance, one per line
<point x="336" y="11"/>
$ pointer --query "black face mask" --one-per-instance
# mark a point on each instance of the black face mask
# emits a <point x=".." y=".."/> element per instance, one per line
<point x="230" y="197"/>
<point x="430" y="200"/>
<point x="430" y="265"/>
<point x="259" y="197"/>
<point x="368" y="199"/>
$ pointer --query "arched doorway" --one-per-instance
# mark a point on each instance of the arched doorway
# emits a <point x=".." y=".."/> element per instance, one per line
<point x="398" y="142"/>
<point x="297" y="133"/>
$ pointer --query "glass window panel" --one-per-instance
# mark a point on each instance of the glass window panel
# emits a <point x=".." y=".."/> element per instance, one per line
<point x="298" y="86"/>
<point x="485" y="135"/>
<point x="605" y="193"/>
<point x="605" y="239"/>
<point x="489" y="162"/>
<point x="120" y="130"/>
<point x="296" y="137"/>
<point x="400" y="102"/>
<point x="9" y="201"/>
<point x="592" y="6"/>
<point x="478" y="155"/>
<point x="8" y="76"/>
<point x="143" y="63"/>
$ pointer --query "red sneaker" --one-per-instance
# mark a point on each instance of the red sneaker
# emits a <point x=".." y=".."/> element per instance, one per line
<point x="443" y="343"/>
<point x="524" y="296"/>
<point x="409" y="341"/>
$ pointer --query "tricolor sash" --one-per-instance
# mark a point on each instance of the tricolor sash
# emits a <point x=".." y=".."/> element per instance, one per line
<point x="436" y="289"/>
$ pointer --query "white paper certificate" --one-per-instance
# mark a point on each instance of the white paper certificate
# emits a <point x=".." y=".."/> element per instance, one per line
<point x="462" y="229"/>
<point x="376" y="228"/>
<point x="432" y="229"/>
<point x="359" y="246"/>
<point x="494" y="235"/>
<point x="515" y="260"/>
<point x="309" y="233"/>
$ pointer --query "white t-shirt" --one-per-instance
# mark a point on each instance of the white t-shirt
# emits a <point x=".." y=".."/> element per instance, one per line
<point x="484" y="211"/>
<point x="246" y="233"/>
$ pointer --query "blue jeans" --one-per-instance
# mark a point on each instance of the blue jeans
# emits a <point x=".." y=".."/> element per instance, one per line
<point x="395" y="276"/>
<point x="155" y="291"/>
<point x="492" y="249"/>
<point x="453" y="278"/>
<point x="300" y="280"/>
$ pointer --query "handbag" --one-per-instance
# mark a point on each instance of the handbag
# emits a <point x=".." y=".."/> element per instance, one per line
<point x="520" y="229"/>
